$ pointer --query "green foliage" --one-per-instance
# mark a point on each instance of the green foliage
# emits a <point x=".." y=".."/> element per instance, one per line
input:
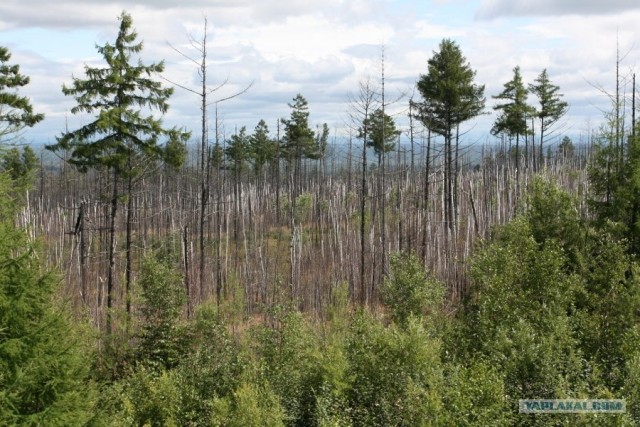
<point x="263" y="148"/>
<point x="474" y="395"/>
<point x="518" y="318"/>
<point x="607" y="309"/>
<point x="121" y="138"/>
<point x="552" y="215"/>
<point x="395" y="374"/>
<point x="382" y="132"/>
<point x="16" y="112"/>
<point x="20" y="167"/>
<point x="322" y="141"/>
<point x="163" y="300"/>
<point x="409" y="292"/>
<point x="238" y="150"/>
<point x="566" y="147"/>
<point x="552" y="309"/>
<point x="213" y="368"/>
<point x="551" y="107"/>
<point x="249" y="406"/>
<point x="304" y="203"/>
<point x="298" y="141"/>
<point x="289" y="357"/>
<point x="615" y="186"/>
<point x="514" y="110"/>
<point x="44" y="360"/>
<point x="148" y="398"/>
<point x="450" y="97"/>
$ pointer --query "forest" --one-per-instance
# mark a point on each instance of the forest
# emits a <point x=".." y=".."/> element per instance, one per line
<point x="162" y="276"/>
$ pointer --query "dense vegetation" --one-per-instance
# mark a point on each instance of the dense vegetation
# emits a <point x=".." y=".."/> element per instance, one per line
<point x="298" y="290"/>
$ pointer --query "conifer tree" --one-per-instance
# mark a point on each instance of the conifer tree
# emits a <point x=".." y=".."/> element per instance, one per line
<point x="383" y="133"/>
<point x="16" y="112"/>
<point x="262" y="147"/>
<point x="121" y="138"/>
<point x="551" y="109"/>
<point x="44" y="368"/>
<point x="514" y="112"/>
<point x="513" y="108"/>
<point x="450" y="98"/>
<point x="298" y="142"/>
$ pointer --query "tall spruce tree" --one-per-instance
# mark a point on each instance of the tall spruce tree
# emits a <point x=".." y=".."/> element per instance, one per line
<point x="513" y="108"/>
<point x="514" y="111"/>
<point x="450" y="98"/>
<point x="262" y="147"/>
<point x="551" y="106"/>
<point x="121" y="138"/>
<point x="44" y="362"/>
<point x="382" y="133"/>
<point x="16" y="112"/>
<point x="298" y="141"/>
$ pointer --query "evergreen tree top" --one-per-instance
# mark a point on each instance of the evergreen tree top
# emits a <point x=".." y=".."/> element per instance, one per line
<point x="122" y="95"/>
<point x="450" y="95"/>
<point x="16" y="112"/>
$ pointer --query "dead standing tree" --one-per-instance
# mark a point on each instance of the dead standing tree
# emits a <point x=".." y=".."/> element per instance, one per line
<point x="361" y="105"/>
<point x="203" y="93"/>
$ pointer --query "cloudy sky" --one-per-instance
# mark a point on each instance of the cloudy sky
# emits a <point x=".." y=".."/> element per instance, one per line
<point x="322" y="49"/>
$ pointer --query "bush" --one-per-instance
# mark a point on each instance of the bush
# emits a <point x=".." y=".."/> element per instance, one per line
<point x="410" y="292"/>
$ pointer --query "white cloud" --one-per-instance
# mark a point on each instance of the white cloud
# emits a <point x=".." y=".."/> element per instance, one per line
<point x="318" y="49"/>
<point x="503" y="8"/>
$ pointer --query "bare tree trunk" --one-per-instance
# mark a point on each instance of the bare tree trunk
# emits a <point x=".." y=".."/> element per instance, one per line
<point x="363" y="204"/>
<point x="186" y="267"/>
<point x="80" y="230"/>
<point x="455" y="181"/>
<point x="427" y="172"/>
<point x="448" y="177"/>
<point x="128" y="244"/>
<point x="112" y="253"/>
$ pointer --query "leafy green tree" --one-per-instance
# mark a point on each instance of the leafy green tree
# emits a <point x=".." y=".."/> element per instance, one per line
<point x="514" y="111"/>
<point x="395" y="374"/>
<point x="121" y="138"/>
<point x="289" y="358"/>
<point x="322" y="141"/>
<point x="298" y="141"/>
<point x="409" y="292"/>
<point x="21" y="167"/>
<point x="146" y="398"/>
<point x="163" y="299"/>
<point x="518" y="318"/>
<point x="238" y="150"/>
<point x="551" y="107"/>
<point x="213" y="368"/>
<point x="615" y="187"/>
<point x="450" y="98"/>
<point x="553" y="216"/>
<point x="553" y="306"/>
<point x="44" y="357"/>
<point x="566" y="147"/>
<point x="249" y="406"/>
<point x="474" y="395"/>
<point x="16" y="112"/>
<point x="382" y="135"/>
<point x="263" y="148"/>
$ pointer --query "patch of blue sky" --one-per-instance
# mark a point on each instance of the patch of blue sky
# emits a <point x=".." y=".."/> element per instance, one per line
<point x="446" y="12"/>
<point x="54" y="45"/>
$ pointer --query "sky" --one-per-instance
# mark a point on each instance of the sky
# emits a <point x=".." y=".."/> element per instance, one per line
<point x="322" y="50"/>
